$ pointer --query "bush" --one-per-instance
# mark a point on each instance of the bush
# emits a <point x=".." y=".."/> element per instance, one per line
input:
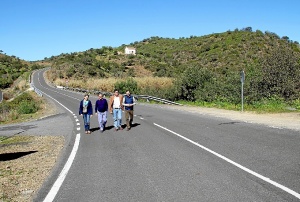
<point x="27" y="107"/>
<point x="129" y="84"/>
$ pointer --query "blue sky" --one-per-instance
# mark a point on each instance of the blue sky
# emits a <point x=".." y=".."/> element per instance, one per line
<point x="35" y="29"/>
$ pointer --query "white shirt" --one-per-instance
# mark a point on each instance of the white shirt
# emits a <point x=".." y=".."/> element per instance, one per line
<point x="117" y="103"/>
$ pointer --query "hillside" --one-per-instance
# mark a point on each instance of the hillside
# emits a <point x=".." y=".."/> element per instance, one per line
<point x="222" y="52"/>
<point x="204" y="68"/>
<point x="11" y="68"/>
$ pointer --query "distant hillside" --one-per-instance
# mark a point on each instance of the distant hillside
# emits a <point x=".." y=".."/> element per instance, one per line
<point x="11" y="67"/>
<point x="223" y="52"/>
<point x="205" y="68"/>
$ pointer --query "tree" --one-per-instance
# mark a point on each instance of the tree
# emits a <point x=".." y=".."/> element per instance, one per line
<point x="193" y="79"/>
<point x="281" y="74"/>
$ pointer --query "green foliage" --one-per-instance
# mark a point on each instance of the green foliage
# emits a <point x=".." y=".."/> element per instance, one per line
<point x="20" y="105"/>
<point x="206" y="68"/>
<point x="27" y="107"/>
<point x="129" y="84"/>
<point x="281" y="74"/>
<point x="24" y="104"/>
<point x="191" y="82"/>
<point x="12" y="68"/>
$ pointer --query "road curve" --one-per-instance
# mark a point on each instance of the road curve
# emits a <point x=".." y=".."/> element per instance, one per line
<point x="172" y="155"/>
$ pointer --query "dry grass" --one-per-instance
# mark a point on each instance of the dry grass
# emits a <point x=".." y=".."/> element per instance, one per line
<point x="107" y="85"/>
<point x="26" y="161"/>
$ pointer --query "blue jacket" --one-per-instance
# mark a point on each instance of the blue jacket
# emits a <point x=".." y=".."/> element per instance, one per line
<point x="89" y="108"/>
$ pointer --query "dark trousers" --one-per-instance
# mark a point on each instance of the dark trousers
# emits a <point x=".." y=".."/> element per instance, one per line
<point x="129" y="118"/>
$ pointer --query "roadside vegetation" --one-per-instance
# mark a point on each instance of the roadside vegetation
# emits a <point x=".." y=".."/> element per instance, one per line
<point x="202" y="71"/>
<point x="18" y="103"/>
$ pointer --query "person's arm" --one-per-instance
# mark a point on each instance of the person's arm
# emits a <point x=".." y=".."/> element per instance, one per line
<point x="96" y="107"/>
<point x="111" y="100"/>
<point x="124" y="102"/>
<point x="106" y="105"/>
<point x="80" y="107"/>
<point x="91" y="108"/>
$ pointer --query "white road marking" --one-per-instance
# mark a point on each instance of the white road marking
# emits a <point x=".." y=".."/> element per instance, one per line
<point x="78" y="128"/>
<point x="142" y="118"/>
<point x="297" y="195"/>
<point x="78" y="124"/>
<point x="55" y="188"/>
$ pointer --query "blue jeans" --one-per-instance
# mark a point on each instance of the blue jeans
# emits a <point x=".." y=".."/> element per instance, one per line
<point x="117" y="114"/>
<point x="102" y="118"/>
<point x="86" y="121"/>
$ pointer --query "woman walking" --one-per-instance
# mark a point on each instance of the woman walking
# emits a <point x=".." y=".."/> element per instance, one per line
<point x="86" y="110"/>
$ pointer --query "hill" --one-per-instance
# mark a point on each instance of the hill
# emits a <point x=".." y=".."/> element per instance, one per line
<point x="222" y="52"/>
<point x="206" y="68"/>
<point x="11" y="68"/>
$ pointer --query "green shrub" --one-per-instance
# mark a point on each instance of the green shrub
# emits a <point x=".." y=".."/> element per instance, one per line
<point x="27" y="107"/>
<point x="129" y="84"/>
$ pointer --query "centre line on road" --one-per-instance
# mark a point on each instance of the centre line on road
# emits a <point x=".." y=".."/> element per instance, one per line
<point x="297" y="195"/>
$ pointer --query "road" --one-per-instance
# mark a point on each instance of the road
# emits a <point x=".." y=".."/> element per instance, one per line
<point x="172" y="155"/>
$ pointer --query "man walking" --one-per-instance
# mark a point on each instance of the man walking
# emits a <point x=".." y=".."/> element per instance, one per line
<point x="101" y="107"/>
<point x="115" y="108"/>
<point x="128" y="102"/>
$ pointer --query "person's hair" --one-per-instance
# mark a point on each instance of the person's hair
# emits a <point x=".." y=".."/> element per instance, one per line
<point x="86" y="95"/>
<point x="116" y="90"/>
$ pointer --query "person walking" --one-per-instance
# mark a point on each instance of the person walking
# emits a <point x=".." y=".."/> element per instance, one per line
<point x="101" y="108"/>
<point x="115" y="108"/>
<point x="128" y="103"/>
<point x="86" y="110"/>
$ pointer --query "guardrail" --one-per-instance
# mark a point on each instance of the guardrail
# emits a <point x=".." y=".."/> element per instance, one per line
<point x="95" y="92"/>
<point x="37" y="91"/>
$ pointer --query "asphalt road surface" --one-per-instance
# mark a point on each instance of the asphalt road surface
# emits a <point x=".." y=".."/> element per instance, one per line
<point x="171" y="155"/>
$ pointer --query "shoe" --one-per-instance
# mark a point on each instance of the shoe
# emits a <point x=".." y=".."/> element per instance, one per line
<point x="89" y="132"/>
<point x="121" y="128"/>
<point x="116" y="129"/>
<point x="86" y="132"/>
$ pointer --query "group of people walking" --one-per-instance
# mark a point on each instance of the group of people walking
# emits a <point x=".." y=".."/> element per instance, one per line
<point x="117" y="104"/>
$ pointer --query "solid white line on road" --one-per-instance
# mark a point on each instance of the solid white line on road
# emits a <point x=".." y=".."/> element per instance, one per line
<point x="297" y="195"/>
<point x="55" y="188"/>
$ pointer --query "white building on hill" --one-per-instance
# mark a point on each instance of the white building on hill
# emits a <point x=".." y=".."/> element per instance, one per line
<point x="130" y="51"/>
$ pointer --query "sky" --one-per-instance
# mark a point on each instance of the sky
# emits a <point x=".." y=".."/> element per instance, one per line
<point x="35" y="29"/>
